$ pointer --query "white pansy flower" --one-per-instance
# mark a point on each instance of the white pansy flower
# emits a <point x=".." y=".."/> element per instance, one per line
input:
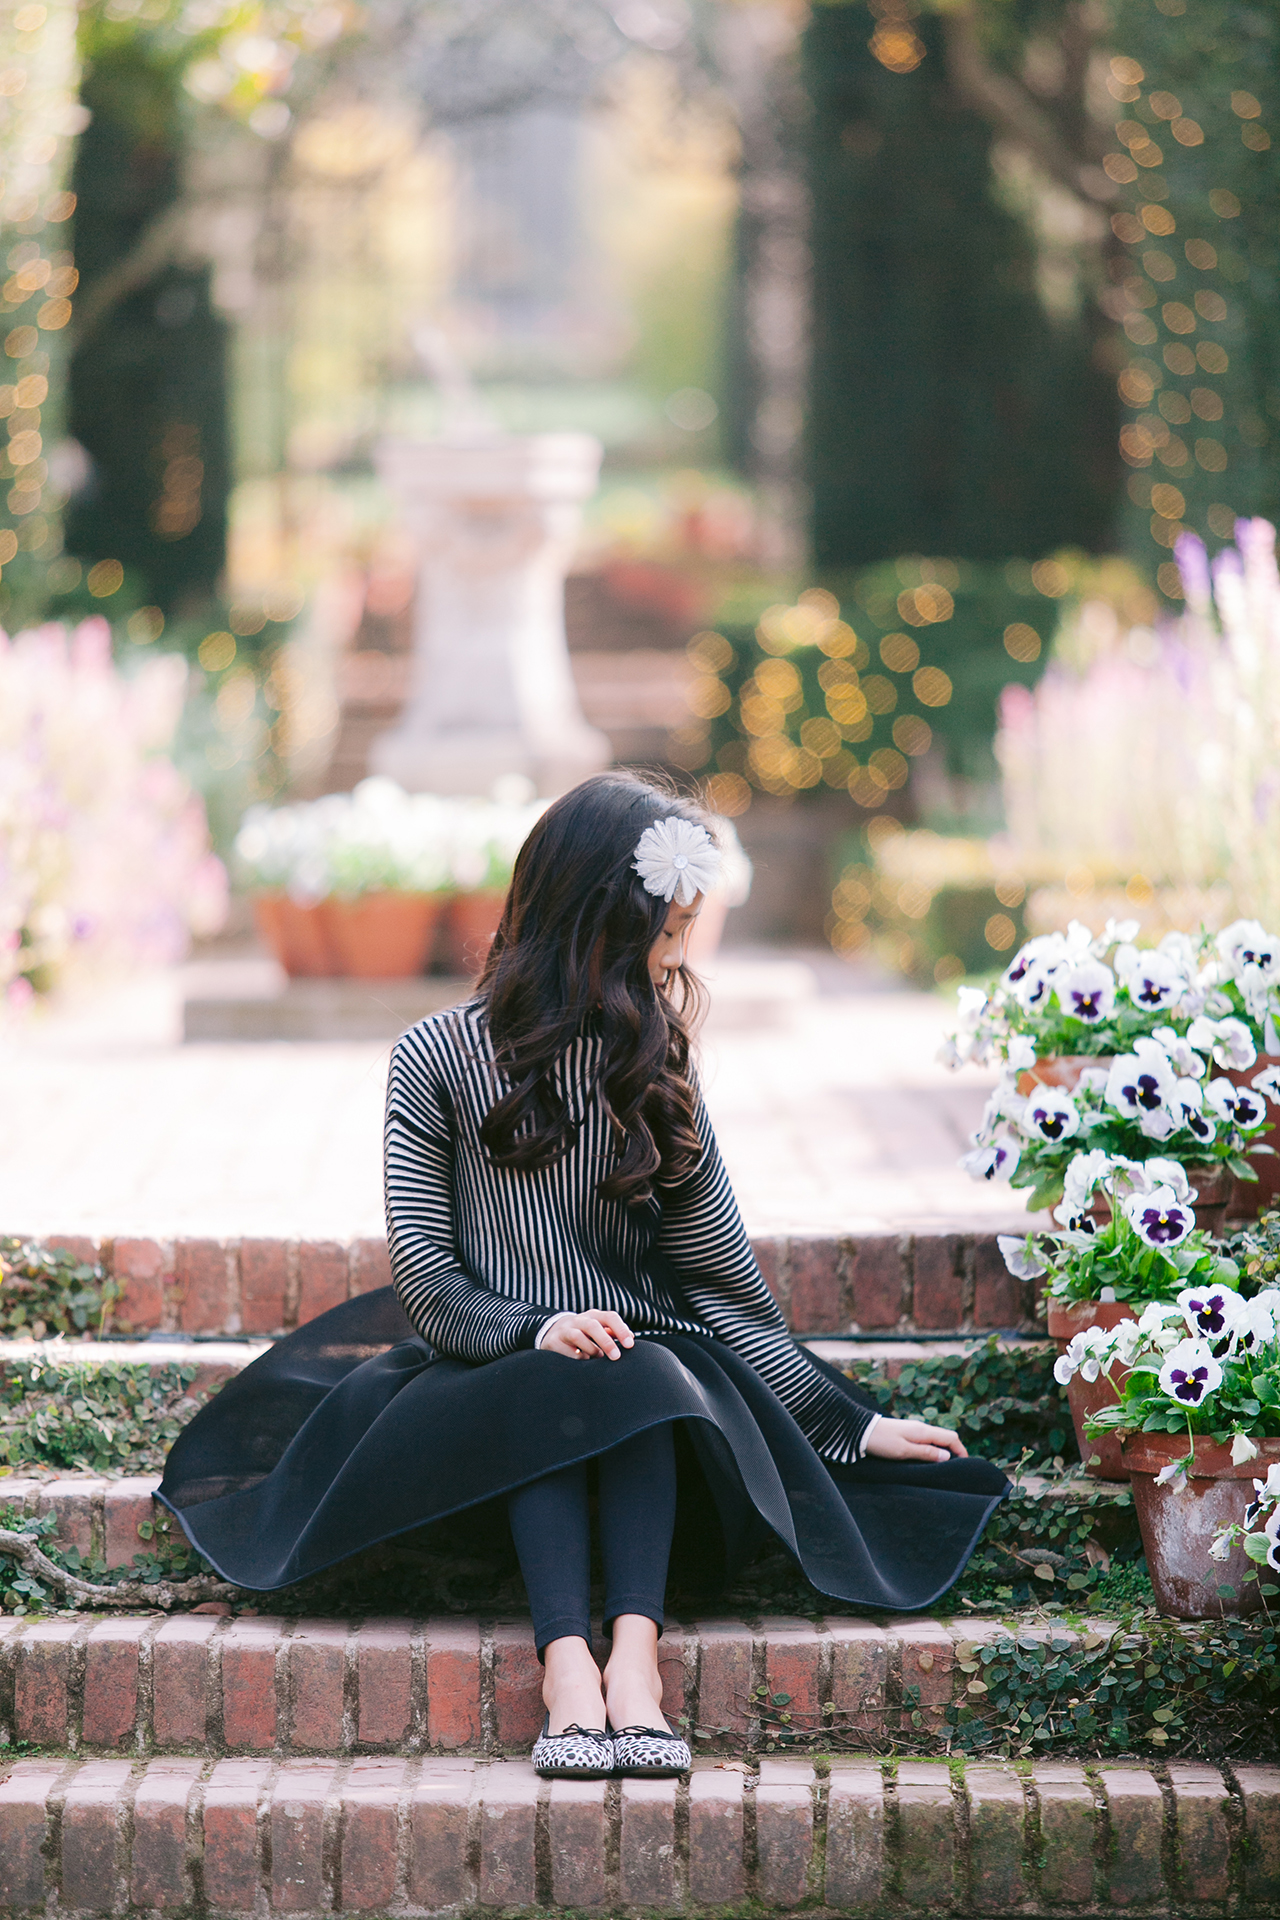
<point x="1021" y="1054"/>
<point x="1153" y="980"/>
<point x="1265" y="1492"/>
<point x="1050" y="1115"/>
<point x="997" y="1160"/>
<point x="1267" y="1083"/>
<point x="1084" y="1354"/>
<point x="1083" y="1175"/>
<point x="1139" y="1086"/>
<point x="971" y="1004"/>
<point x="1159" y="1217"/>
<point x="1154" y="1316"/>
<point x="1240" y="1106"/>
<point x="1219" y="1547"/>
<point x="1118" y="932"/>
<point x="1190" y="1373"/>
<point x="1242" y="1449"/>
<point x="1020" y="1256"/>
<point x="1127" y="1342"/>
<point x="1257" y="1321"/>
<point x="1210" y="1312"/>
<point x="1174" y="1476"/>
<point x="1180" y="1051"/>
<point x="1086" y="992"/>
<point x="1045" y="952"/>
<point x="677" y="860"/>
<point x="1228" y="1041"/>
<point x="1246" y="943"/>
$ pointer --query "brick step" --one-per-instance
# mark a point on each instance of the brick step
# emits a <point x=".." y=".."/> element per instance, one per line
<point x="432" y="1836"/>
<point x="939" y="1282"/>
<point x="254" y="1684"/>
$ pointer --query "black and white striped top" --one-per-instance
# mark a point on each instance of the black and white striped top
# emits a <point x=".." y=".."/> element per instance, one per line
<point x="483" y="1256"/>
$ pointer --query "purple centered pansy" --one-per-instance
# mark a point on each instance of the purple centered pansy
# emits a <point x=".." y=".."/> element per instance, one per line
<point x="1189" y="1383"/>
<point x="1190" y="1373"/>
<point x="1161" y="1226"/>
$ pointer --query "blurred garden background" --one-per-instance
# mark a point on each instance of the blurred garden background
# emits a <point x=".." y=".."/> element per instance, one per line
<point x="924" y="343"/>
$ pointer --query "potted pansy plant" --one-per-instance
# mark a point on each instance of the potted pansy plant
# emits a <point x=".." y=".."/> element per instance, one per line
<point x="1098" y="1276"/>
<point x="1257" y="1532"/>
<point x="1128" y="1050"/>
<point x="1198" y="1412"/>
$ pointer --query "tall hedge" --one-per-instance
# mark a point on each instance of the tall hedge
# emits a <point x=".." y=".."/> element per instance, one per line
<point x="1197" y="87"/>
<point x="950" y="414"/>
<point x="148" y="387"/>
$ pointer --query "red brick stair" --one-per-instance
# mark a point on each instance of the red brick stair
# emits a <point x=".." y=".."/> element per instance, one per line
<point x="909" y="1283"/>
<point x="257" y="1685"/>
<point x="435" y="1836"/>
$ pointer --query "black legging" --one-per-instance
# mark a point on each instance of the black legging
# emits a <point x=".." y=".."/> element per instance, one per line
<point x="551" y="1526"/>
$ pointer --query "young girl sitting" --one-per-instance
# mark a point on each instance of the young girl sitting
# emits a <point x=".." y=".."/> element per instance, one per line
<point x="576" y="1306"/>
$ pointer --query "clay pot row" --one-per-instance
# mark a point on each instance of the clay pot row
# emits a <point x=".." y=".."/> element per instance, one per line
<point x="380" y="936"/>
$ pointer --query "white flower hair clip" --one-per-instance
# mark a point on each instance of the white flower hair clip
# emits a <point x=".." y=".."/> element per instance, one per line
<point x="677" y="859"/>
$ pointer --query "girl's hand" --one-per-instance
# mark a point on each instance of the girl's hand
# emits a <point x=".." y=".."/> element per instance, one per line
<point x="912" y="1440"/>
<point x="586" y="1336"/>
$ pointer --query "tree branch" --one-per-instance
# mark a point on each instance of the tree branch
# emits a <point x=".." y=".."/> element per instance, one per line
<point x="130" y="1593"/>
<point x="1010" y="108"/>
<point x="155" y="247"/>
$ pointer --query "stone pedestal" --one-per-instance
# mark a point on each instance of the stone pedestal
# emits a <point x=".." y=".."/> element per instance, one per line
<point x="495" y="521"/>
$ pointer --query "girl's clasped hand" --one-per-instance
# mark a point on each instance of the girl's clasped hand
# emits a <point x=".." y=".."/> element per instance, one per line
<point x="602" y="1335"/>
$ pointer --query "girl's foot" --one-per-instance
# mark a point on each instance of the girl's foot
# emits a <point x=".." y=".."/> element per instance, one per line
<point x="571" y="1690"/>
<point x="632" y="1684"/>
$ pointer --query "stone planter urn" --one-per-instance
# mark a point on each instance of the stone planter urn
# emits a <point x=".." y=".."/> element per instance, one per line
<point x="1177" y="1528"/>
<point x="1101" y="1456"/>
<point x="494" y="518"/>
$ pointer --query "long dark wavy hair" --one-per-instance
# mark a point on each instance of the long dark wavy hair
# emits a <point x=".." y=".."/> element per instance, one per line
<point x="572" y="952"/>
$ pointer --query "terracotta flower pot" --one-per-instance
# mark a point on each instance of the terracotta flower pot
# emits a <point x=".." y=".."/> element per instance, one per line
<point x="469" y="929"/>
<point x="1177" y="1528"/>
<point x="1062" y="1070"/>
<point x="295" y="934"/>
<point x="1101" y="1455"/>
<point x="381" y="936"/>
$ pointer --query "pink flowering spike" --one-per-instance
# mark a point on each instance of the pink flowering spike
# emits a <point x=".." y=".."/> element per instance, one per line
<point x="1193" y="565"/>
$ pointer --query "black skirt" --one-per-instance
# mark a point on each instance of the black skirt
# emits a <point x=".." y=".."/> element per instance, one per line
<point x="353" y="1430"/>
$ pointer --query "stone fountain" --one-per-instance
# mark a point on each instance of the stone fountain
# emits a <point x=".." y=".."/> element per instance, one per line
<point x="494" y="518"/>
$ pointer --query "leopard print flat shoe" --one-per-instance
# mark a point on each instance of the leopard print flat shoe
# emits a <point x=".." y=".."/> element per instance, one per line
<point x="649" y="1753"/>
<point x="579" y="1753"/>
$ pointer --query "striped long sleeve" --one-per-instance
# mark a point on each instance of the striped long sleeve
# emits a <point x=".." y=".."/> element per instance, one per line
<point x="460" y="1317"/>
<point x="703" y="1237"/>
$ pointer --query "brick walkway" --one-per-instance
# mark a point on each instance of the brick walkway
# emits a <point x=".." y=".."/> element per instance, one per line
<point x="832" y="1113"/>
